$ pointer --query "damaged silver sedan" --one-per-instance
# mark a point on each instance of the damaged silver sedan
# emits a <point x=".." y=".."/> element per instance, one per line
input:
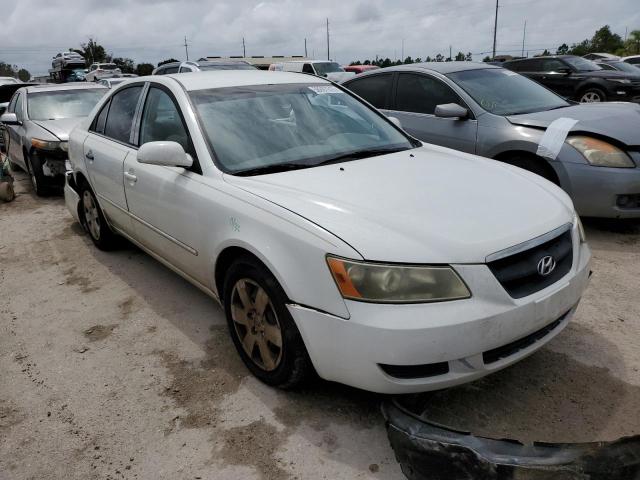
<point x="37" y="124"/>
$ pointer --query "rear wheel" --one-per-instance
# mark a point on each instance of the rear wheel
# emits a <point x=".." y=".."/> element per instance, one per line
<point x="592" y="95"/>
<point x="261" y="326"/>
<point x="94" y="222"/>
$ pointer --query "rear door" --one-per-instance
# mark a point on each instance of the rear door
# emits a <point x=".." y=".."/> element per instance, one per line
<point x="416" y="98"/>
<point x="105" y="149"/>
<point x="375" y="89"/>
<point x="165" y="202"/>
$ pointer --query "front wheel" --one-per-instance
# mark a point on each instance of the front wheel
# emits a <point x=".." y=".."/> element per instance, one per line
<point x="94" y="222"/>
<point x="261" y="326"/>
<point x="592" y="95"/>
<point x="36" y="175"/>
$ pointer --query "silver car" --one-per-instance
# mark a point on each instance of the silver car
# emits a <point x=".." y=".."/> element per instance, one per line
<point x="499" y="114"/>
<point x="37" y="124"/>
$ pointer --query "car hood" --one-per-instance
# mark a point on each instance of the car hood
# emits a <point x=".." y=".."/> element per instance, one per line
<point x="427" y="205"/>
<point x="340" y="76"/>
<point x="61" y="127"/>
<point x="620" y="121"/>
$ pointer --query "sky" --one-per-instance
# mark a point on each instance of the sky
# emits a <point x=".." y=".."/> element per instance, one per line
<point x="33" y="31"/>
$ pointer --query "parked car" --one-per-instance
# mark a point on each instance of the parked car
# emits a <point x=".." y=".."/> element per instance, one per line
<point x="38" y="121"/>
<point x="112" y="82"/>
<point x="360" y="68"/>
<point x="579" y="79"/>
<point x="167" y="68"/>
<point x="334" y="240"/>
<point x="77" y="75"/>
<point x="202" y="66"/>
<point x="618" y="65"/>
<point x="321" y="68"/>
<point x="493" y="112"/>
<point x="632" y="59"/>
<point x="601" y="56"/>
<point x="97" y="71"/>
<point x="67" y="60"/>
<point x="5" y="80"/>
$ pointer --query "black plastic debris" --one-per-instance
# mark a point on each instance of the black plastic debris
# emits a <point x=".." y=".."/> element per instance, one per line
<point x="429" y="451"/>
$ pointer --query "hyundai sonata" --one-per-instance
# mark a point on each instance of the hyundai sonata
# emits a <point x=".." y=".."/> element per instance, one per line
<point x="334" y="241"/>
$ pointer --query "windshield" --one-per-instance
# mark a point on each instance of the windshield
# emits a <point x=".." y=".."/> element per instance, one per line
<point x="582" y="64"/>
<point x="227" y="66"/>
<point x="63" y="104"/>
<point x="292" y="125"/>
<point x="323" y="68"/>
<point x="503" y="92"/>
<point x="625" y="67"/>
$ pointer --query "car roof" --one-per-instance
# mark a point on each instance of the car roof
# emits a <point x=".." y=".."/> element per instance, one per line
<point x="630" y="56"/>
<point x="236" y="78"/>
<point x="439" y="67"/>
<point x="55" y="87"/>
<point x="205" y="63"/>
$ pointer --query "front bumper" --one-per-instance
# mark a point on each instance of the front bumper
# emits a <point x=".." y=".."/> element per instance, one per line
<point x="596" y="191"/>
<point x="71" y="195"/>
<point x="455" y="333"/>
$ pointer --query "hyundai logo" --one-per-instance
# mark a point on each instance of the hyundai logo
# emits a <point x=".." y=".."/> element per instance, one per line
<point x="546" y="265"/>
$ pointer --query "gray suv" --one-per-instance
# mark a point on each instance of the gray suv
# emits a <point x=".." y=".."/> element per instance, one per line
<point x="37" y="124"/>
<point x="499" y="114"/>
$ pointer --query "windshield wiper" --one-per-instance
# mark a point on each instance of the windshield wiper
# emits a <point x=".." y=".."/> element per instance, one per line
<point x="275" y="168"/>
<point x="357" y="155"/>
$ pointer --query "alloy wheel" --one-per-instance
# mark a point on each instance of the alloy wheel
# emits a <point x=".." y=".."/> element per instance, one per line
<point x="256" y="324"/>
<point x="91" y="216"/>
<point x="591" y="97"/>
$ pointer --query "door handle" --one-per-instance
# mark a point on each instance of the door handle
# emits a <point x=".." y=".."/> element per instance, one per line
<point x="89" y="155"/>
<point x="131" y="177"/>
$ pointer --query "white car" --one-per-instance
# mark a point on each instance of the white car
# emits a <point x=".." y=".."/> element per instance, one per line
<point x="333" y="240"/>
<point x="321" y="68"/>
<point x="98" y="71"/>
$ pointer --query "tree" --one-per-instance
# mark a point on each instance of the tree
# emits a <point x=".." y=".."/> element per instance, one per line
<point x="632" y="45"/>
<point x="562" y="49"/>
<point x="418" y="60"/>
<point x="606" y="41"/>
<point x="486" y="59"/>
<point x="408" y="60"/>
<point x="169" y="60"/>
<point x="7" y="70"/>
<point x="126" y="65"/>
<point x="439" y="58"/>
<point x="469" y="57"/>
<point x="367" y="62"/>
<point x="460" y="57"/>
<point x="92" y="52"/>
<point x="428" y="59"/>
<point x="143" y="69"/>
<point x="24" y="75"/>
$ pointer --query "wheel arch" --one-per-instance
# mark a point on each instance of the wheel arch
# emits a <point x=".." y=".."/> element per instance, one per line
<point x="550" y="172"/>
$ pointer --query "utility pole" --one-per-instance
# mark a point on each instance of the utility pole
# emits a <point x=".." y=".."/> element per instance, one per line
<point x="328" y="55"/>
<point x="402" y="54"/>
<point x="524" y="33"/>
<point x="626" y="30"/>
<point x="244" y="49"/>
<point x="495" y="32"/>
<point x="450" y="57"/>
<point x="186" y="48"/>
<point x="305" y="48"/>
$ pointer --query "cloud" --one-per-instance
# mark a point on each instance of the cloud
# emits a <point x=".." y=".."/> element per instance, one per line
<point x="151" y="30"/>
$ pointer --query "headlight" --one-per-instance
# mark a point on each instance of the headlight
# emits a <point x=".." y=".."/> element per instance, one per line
<point x="64" y="146"/>
<point x="371" y="282"/>
<point x="619" y="80"/>
<point x="583" y="237"/>
<point x="600" y="153"/>
<point x="45" y="144"/>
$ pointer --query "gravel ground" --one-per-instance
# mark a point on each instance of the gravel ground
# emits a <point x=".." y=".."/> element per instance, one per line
<point x="111" y="366"/>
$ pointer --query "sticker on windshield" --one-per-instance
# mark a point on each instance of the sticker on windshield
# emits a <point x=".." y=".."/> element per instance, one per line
<point x="322" y="89"/>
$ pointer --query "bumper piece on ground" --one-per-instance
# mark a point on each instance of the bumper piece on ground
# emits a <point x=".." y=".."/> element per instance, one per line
<point x="428" y="451"/>
<point x="71" y="195"/>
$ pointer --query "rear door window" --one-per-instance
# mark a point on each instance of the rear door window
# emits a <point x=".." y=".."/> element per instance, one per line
<point x="375" y="89"/>
<point x="12" y="105"/>
<point x="101" y="119"/>
<point x="121" y="113"/>
<point x="421" y="94"/>
<point x="551" y="65"/>
<point x="307" y="68"/>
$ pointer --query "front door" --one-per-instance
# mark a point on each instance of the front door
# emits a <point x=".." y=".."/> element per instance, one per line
<point x="416" y="98"/>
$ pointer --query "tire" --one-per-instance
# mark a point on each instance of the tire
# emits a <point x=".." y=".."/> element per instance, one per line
<point x="36" y="176"/>
<point x="248" y="289"/>
<point x="592" y="95"/>
<point x="93" y="220"/>
<point x="533" y="165"/>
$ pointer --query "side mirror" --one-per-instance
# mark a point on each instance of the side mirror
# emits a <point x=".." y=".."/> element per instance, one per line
<point x="10" y="119"/>
<point x="168" y="154"/>
<point x="451" y="110"/>
<point x="395" y="121"/>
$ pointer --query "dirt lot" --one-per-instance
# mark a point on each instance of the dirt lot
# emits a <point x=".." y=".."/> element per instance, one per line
<point x="111" y="366"/>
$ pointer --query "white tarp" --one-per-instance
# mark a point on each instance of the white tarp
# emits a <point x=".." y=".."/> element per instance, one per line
<point x="553" y="139"/>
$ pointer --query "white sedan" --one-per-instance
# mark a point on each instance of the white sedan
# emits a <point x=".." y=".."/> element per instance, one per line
<point x="334" y="241"/>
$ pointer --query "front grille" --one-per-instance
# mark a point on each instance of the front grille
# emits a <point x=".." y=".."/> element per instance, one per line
<point x="512" y="348"/>
<point x="416" y="371"/>
<point x="518" y="273"/>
